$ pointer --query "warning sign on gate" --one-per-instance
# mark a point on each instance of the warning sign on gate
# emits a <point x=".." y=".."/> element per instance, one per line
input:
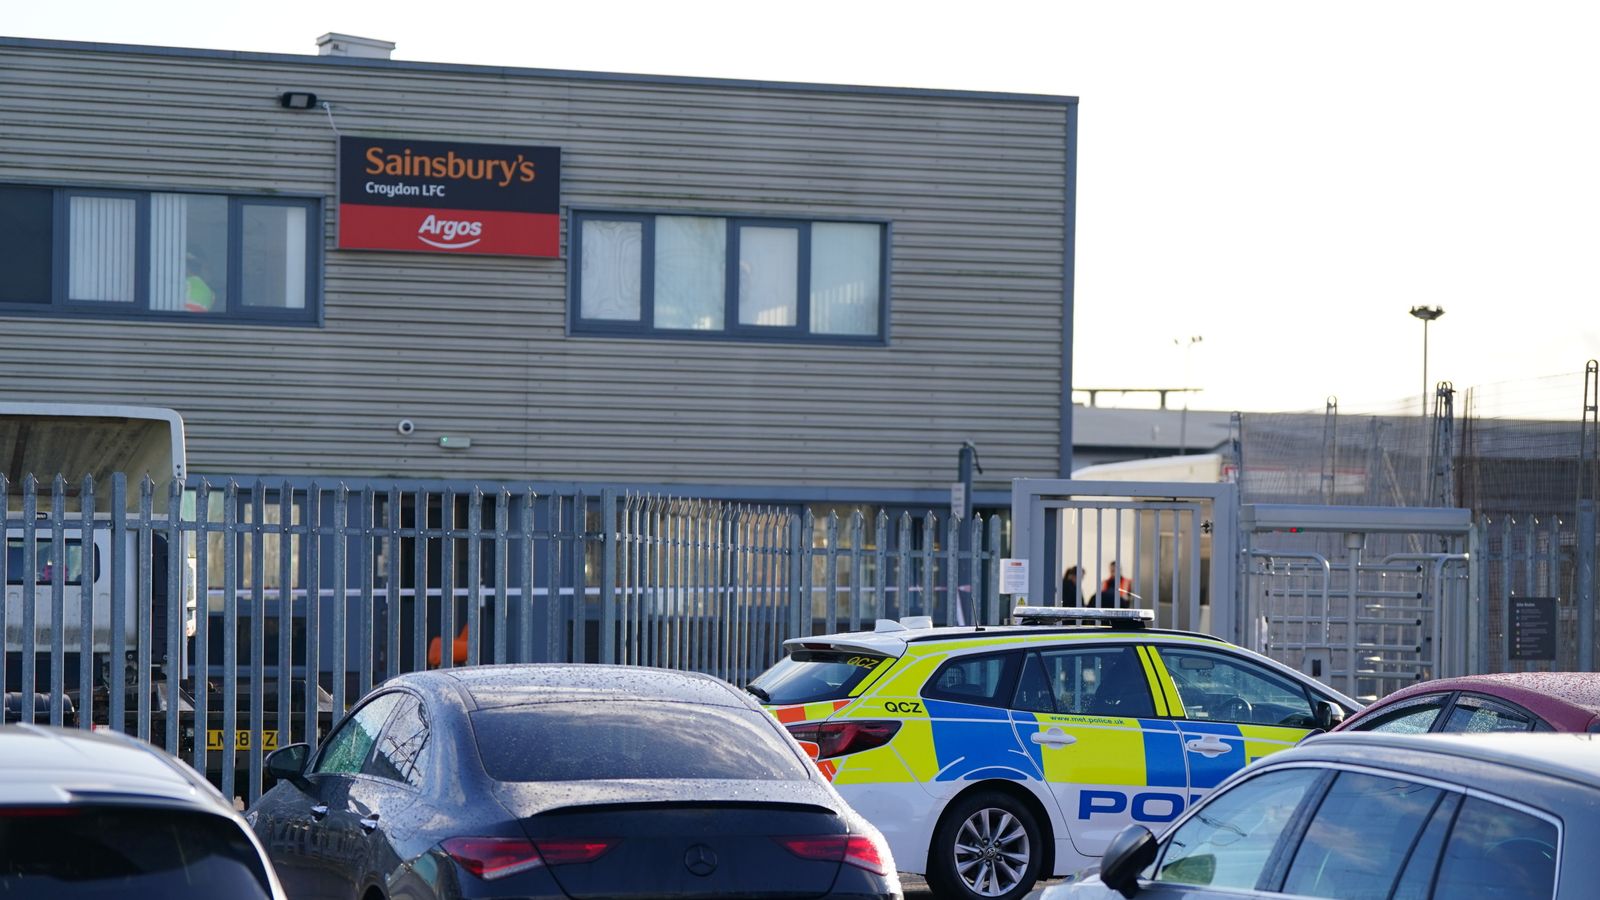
<point x="1013" y="576"/>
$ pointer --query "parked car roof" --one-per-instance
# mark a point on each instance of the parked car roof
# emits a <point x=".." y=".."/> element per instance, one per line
<point x="491" y="687"/>
<point x="894" y="643"/>
<point x="58" y="765"/>
<point x="1572" y="757"/>
<point x="1569" y="701"/>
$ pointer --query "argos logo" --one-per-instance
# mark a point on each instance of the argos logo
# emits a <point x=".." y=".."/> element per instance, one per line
<point x="449" y="234"/>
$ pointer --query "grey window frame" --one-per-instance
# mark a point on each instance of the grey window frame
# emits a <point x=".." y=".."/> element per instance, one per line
<point x="732" y="330"/>
<point x="802" y="299"/>
<point x="58" y="304"/>
<point x="45" y="297"/>
<point x="59" y="260"/>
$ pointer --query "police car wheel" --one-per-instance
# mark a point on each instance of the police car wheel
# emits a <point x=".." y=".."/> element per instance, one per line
<point x="986" y="845"/>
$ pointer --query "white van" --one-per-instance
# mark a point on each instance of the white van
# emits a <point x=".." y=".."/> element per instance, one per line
<point x="56" y="571"/>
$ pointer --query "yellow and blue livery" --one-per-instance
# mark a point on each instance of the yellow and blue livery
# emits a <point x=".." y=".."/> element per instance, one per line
<point x="990" y="757"/>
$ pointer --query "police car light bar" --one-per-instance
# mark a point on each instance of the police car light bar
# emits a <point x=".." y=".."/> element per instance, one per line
<point x="1058" y="615"/>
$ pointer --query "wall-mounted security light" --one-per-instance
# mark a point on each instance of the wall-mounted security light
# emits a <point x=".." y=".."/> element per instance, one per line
<point x="454" y="441"/>
<point x="297" y="100"/>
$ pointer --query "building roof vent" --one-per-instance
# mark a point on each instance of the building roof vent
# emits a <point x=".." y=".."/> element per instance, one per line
<point x="332" y="44"/>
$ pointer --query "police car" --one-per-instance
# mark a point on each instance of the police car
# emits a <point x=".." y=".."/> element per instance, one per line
<point x="990" y="757"/>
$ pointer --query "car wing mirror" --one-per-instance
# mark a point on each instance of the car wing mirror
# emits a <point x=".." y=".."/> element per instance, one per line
<point x="289" y="763"/>
<point x="1328" y="715"/>
<point x="1133" y="848"/>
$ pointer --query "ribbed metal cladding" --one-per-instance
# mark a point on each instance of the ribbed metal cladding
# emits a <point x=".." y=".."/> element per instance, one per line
<point x="973" y="189"/>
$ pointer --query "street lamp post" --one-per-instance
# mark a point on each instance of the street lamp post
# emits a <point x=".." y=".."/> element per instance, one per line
<point x="1183" y="419"/>
<point x="1426" y="314"/>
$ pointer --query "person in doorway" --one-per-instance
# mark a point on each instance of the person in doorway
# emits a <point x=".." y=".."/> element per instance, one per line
<point x="1071" y="593"/>
<point x="198" y="294"/>
<point x="1115" y="591"/>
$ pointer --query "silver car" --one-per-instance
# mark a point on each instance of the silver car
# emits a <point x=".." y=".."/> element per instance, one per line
<point x="1491" y="816"/>
<point x="99" y="814"/>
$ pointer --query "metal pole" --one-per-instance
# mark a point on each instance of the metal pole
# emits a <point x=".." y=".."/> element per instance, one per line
<point x="1183" y="418"/>
<point x="1584" y="582"/>
<point x="1426" y="314"/>
<point x="962" y="547"/>
<point x="609" y="532"/>
<point x="1425" y="368"/>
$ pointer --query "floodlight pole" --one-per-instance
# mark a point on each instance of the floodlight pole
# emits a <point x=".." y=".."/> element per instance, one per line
<point x="1426" y="314"/>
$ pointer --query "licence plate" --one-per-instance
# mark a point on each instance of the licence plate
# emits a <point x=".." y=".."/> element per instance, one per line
<point x="242" y="740"/>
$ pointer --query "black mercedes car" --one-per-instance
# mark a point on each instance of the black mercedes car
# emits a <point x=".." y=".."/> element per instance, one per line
<point x="562" y="781"/>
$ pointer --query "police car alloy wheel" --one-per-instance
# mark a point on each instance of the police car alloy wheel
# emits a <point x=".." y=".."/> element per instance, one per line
<point x="987" y="845"/>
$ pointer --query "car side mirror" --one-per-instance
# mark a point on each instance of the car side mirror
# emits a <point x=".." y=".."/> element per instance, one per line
<point x="289" y="763"/>
<point x="1328" y="715"/>
<point x="1133" y="848"/>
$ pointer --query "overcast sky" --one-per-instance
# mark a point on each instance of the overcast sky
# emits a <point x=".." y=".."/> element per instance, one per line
<point x="1284" y="180"/>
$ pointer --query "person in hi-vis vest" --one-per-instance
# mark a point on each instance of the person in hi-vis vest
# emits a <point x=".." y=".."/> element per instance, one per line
<point x="198" y="295"/>
<point x="1114" y="591"/>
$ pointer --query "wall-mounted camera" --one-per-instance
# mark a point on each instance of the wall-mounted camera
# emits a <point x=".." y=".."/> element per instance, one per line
<point x="405" y="427"/>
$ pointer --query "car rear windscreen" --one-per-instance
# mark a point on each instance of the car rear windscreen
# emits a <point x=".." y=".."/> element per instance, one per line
<point x="807" y="676"/>
<point x="66" y="852"/>
<point x="623" y="739"/>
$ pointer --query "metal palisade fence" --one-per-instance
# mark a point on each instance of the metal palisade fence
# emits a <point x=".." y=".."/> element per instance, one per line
<point x="718" y="587"/>
<point x="221" y="621"/>
<point x="1537" y="577"/>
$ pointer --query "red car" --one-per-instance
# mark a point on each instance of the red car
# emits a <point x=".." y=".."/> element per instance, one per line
<point x="1519" y="701"/>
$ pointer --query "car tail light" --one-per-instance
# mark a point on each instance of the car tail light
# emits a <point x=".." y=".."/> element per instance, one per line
<point x="491" y="858"/>
<point x="851" y="849"/>
<point x="838" y="738"/>
<point x="566" y="852"/>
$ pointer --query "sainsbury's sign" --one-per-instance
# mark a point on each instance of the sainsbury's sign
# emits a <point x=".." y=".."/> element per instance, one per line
<point x="449" y="197"/>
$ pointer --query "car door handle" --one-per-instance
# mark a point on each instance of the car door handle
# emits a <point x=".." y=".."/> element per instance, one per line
<point x="1054" y="737"/>
<point x="1208" y="746"/>
<point x="369" y="824"/>
<point x="318" y="811"/>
